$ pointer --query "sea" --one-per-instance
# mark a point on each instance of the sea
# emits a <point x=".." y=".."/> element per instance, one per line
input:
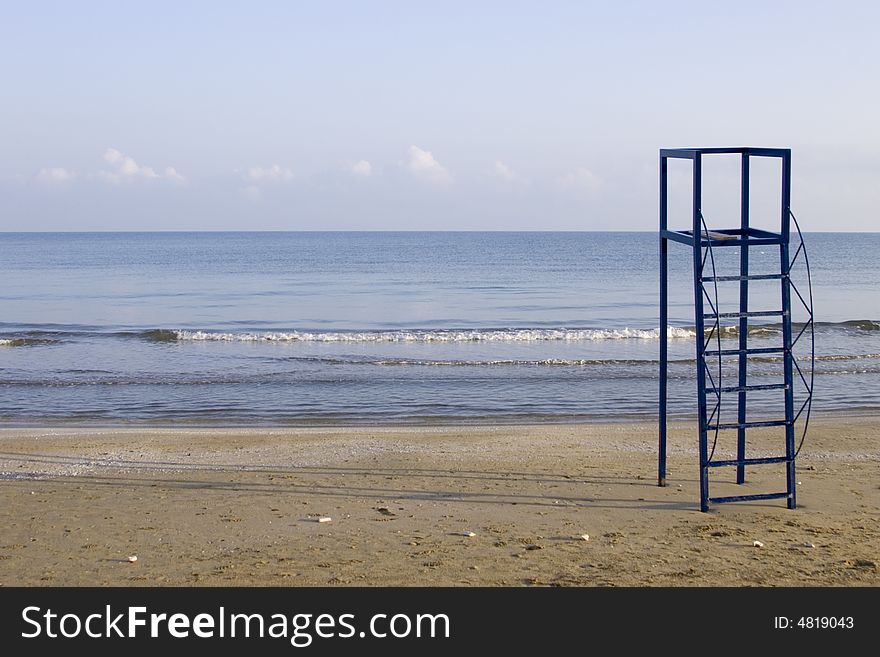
<point x="351" y="328"/>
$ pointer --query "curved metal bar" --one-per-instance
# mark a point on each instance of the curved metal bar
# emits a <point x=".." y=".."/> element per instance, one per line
<point x="717" y="329"/>
<point x="809" y="401"/>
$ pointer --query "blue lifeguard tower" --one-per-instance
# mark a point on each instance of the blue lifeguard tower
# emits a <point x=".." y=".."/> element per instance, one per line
<point x="707" y="319"/>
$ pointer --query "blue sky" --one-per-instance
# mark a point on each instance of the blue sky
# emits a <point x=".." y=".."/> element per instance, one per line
<point x="410" y="115"/>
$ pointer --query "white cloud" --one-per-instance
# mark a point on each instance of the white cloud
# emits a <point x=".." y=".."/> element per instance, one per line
<point x="582" y="180"/>
<point x="125" y="168"/>
<point x="506" y="173"/>
<point x="274" y="173"/>
<point x="172" y="175"/>
<point x="362" y="168"/>
<point x="423" y="165"/>
<point x="54" y="175"/>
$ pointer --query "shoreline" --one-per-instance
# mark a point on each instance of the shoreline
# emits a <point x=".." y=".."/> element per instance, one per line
<point x="232" y="506"/>
<point x="483" y="421"/>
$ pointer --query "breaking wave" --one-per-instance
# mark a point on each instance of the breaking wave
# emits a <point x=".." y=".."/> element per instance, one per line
<point x="25" y="342"/>
<point x="53" y="334"/>
<point x="560" y="334"/>
<point x="420" y="336"/>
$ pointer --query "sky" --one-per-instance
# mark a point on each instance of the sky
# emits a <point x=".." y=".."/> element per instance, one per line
<point x="410" y="115"/>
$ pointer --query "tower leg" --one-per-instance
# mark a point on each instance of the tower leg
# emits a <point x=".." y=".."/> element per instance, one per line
<point x="790" y="474"/>
<point x="699" y="326"/>
<point x="664" y="364"/>
<point x="664" y="322"/>
<point x="785" y="263"/>
<point x="743" y="323"/>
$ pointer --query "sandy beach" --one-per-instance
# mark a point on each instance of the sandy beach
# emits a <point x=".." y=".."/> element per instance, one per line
<point x="241" y="507"/>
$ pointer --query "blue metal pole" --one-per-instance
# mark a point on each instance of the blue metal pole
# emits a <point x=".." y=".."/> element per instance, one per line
<point x="790" y="474"/>
<point x="700" y="331"/>
<point x="664" y="322"/>
<point x="743" y="322"/>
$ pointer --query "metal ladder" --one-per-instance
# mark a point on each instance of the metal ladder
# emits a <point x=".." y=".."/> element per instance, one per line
<point x="708" y="328"/>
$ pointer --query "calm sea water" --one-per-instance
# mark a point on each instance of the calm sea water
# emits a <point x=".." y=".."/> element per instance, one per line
<point x="284" y="328"/>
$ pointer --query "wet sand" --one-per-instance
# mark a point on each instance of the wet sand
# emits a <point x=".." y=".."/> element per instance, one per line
<point x="240" y="507"/>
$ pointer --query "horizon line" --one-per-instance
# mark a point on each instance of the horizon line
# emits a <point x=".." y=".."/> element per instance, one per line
<point x="372" y="230"/>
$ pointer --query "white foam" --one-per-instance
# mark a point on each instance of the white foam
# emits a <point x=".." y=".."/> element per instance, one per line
<point x="459" y="335"/>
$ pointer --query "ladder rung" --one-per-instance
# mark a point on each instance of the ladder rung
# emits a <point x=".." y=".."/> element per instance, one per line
<point x="752" y="313"/>
<point x="746" y="498"/>
<point x="766" y="386"/>
<point x="756" y="461"/>
<point x="747" y="425"/>
<point x="734" y="352"/>
<point x="749" y="277"/>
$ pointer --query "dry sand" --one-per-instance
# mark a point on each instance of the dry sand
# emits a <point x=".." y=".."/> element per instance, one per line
<point x="239" y="507"/>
